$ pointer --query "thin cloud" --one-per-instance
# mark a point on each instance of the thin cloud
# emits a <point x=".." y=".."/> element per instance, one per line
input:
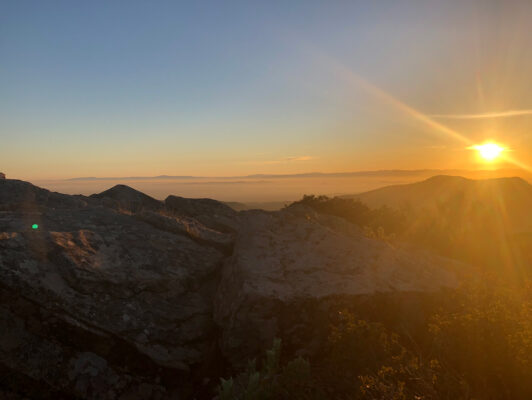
<point x="227" y="182"/>
<point x="501" y="114"/>
<point x="290" y="159"/>
<point x="300" y="158"/>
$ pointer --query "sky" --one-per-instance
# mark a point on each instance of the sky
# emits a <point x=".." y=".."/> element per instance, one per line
<point x="146" y="88"/>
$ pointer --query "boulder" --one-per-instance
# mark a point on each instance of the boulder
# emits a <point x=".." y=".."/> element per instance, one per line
<point x="211" y="213"/>
<point x="189" y="227"/>
<point x="286" y="263"/>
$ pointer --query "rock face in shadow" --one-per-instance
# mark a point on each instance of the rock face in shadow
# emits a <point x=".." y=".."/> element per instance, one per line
<point x="120" y="296"/>
<point x="93" y="294"/>
<point x="211" y="213"/>
<point x="20" y="195"/>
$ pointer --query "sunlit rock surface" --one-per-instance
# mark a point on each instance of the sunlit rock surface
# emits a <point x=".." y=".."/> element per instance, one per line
<point x="296" y="256"/>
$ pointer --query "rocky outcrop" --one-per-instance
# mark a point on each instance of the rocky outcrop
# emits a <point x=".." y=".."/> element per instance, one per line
<point x="120" y="296"/>
<point x="285" y="259"/>
<point x="20" y="195"/>
<point x="97" y="304"/>
<point x="125" y="198"/>
<point x="189" y="227"/>
<point x="211" y="213"/>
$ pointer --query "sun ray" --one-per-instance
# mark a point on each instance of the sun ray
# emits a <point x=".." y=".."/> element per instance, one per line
<point x="500" y="114"/>
<point x="354" y="79"/>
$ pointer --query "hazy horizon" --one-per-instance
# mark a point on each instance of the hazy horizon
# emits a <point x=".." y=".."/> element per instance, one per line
<point x="266" y="188"/>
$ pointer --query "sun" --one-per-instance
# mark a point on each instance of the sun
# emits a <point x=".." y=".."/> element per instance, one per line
<point x="488" y="151"/>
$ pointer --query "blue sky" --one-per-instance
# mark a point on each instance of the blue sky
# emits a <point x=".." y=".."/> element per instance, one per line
<point x="110" y="88"/>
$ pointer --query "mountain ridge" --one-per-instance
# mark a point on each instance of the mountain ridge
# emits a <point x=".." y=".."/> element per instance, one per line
<point x="383" y="172"/>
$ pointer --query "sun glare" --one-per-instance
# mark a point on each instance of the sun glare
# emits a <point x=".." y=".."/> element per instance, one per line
<point x="488" y="151"/>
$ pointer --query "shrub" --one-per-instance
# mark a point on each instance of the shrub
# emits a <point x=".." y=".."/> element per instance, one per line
<point x="380" y="223"/>
<point x="478" y="345"/>
<point x="271" y="381"/>
<point x="484" y="333"/>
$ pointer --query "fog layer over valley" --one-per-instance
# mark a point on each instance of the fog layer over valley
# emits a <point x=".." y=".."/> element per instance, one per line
<point x="256" y="190"/>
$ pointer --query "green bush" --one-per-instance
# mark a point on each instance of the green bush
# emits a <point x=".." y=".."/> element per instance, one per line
<point x="484" y="334"/>
<point x="272" y="381"/>
<point x="369" y="362"/>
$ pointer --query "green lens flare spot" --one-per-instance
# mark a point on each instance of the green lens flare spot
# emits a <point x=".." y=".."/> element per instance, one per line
<point x="35" y="226"/>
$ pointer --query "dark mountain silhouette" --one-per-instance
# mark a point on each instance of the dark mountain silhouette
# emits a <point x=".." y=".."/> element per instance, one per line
<point x="128" y="198"/>
<point x="508" y="199"/>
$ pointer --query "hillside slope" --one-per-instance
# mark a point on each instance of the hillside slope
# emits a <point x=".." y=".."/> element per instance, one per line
<point x="483" y="222"/>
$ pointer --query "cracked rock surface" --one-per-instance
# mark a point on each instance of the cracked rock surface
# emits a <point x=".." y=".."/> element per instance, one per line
<point x="112" y="277"/>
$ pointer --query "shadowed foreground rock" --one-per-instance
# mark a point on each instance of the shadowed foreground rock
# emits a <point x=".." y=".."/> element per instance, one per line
<point x="120" y="296"/>
<point x="98" y="304"/>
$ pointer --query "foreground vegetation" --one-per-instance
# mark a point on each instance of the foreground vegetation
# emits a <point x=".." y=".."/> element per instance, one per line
<point x="477" y="345"/>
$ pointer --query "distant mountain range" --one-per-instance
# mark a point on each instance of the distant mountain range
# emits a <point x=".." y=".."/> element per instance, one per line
<point x="389" y="173"/>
